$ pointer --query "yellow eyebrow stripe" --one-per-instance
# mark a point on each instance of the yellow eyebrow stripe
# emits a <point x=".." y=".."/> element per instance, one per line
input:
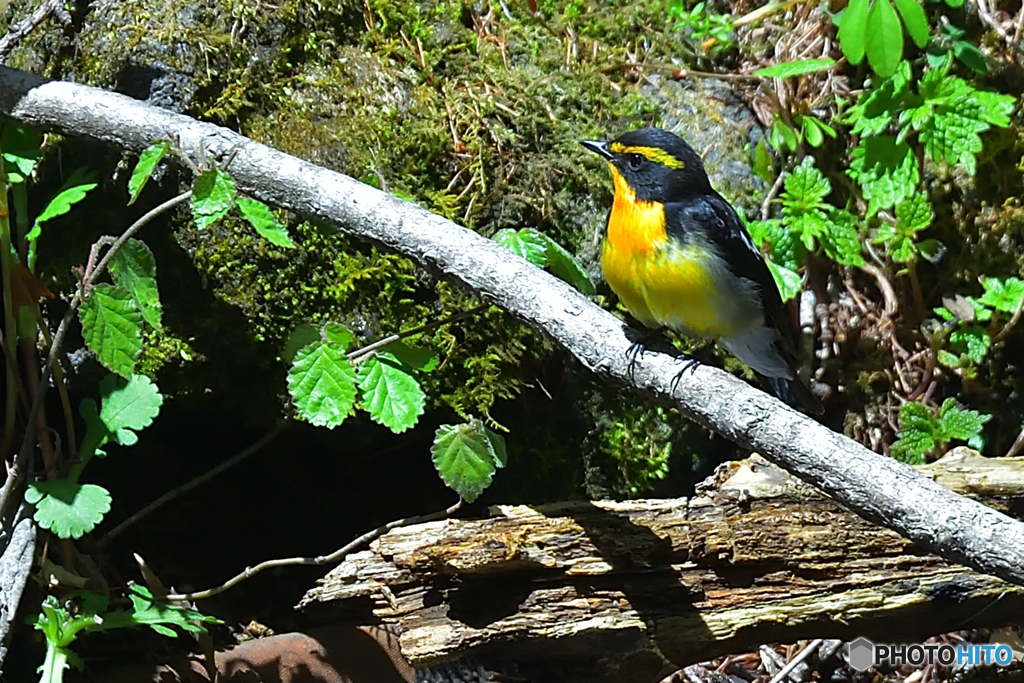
<point x="658" y="156"/>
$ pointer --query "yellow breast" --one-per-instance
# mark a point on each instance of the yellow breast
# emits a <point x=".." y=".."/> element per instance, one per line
<point x="662" y="282"/>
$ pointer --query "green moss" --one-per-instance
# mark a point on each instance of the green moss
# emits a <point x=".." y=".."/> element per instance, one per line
<point x="160" y="349"/>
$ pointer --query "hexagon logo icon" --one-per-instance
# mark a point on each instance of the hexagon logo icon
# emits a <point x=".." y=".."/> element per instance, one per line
<point x="861" y="654"/>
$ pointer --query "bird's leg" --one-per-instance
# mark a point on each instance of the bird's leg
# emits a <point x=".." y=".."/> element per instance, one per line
<point x="639" y="346"/>
<point x="690" y="362"/>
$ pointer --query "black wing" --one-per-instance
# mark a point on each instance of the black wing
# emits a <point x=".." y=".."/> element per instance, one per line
<point x="738" y="249"/>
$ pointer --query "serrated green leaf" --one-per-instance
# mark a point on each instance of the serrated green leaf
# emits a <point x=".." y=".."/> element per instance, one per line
<point x="956" y="423"/>
<point x="914" y="214"/>
<point x="1002" y="294"/>
<point x="67" y="508"/>
<point x="948" y="359"/>
<point x="213" y="194"/>
<point x="911" y="449"/>
<point x="883" y="38"/>
<point x="262" y="218"/>
<point x="391" y="395"/>
<point x="914" y="21"/>
<point x="841" y="239"/>
<point x="128" y="405"/>
<point x="565" y="266"/>
<point x="853" y="29"/>
<point x="805" y="188"/>
<point x="524" y="243"/>
<point x="799" y="67"/>
<point x="112" y="327"/>
<point x="886" y="170"/>
<point x="915" y="417"/>
<point x="134" y="268"/>
<point x="972" y="341"/>
<point x="322" y="384"/>
<point x="465" y="458"/>
<point x="148" y="161"/>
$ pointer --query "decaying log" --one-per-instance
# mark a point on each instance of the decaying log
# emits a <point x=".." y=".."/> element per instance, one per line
<point x="606" y="591"/>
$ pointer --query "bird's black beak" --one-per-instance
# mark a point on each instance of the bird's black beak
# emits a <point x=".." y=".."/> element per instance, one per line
<point x="598" y="148"/>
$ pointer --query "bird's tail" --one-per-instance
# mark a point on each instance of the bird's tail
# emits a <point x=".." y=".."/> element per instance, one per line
<point x="792" y="391"/>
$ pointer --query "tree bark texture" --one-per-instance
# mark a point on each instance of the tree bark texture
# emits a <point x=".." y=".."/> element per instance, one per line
<point x="606" y="591"/>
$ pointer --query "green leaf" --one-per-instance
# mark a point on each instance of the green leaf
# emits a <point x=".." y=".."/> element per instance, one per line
<point x="916" y="434"/>
<point x="799" y="67"/>
<point x="788" y="281"/>
<point x="805" y="187"/>
<point x="391" y="395"/>
<point x="763" y="166"/>
<point x="302" y="336"/>
<point x="956" y="423"/>
<point x="465" y="457"/>
<point x="883" y="38"/>
<point x="951" y="114"/>
<point x="1002" y="294"/>
<point x="148" y="161"/>
<point x="213" y="194"/>
<point x="914" y="214"/>
<point x="134" y="269"/>
<point x="782" y="135"/>
<point x="74" y="190"/>
<point x="413" y="357"/>
<point x="886" y="170"/>
<point x="322" y="384"/>
<point x="841" y="240"/>
<point x="67" y="508"/>
<point x="262" y="218"/>
<point x="112" y="327"/>
<point x="971" y="341"/>
<point x="564" y="265"/>
<point x="914" y="21"/>
<point x="853" y="30"/>
<point x="523" y="243"/>
<point x="338" y="334"/>
<point x="22" y="148"/>
<point x="128" y="405"/>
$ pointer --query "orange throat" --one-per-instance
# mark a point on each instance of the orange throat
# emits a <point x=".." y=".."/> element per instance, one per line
<point x="635" y="228"/>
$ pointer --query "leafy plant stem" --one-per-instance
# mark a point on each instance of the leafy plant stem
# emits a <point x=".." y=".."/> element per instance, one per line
<point x="361" y="354"/>
<point x="14" y="473"/>
<point x="10" y="323"/>
<point x="915" y="286"/>
<point x="320" y="560"/>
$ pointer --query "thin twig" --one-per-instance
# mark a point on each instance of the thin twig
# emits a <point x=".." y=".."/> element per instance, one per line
<point x="174" y="493"/>
<point x="772" y="193"/>
<point x="796" y="661"/>
<point x="319" y="560"/>
<point x="20" y="30"/>
<point x="370" y="348"/>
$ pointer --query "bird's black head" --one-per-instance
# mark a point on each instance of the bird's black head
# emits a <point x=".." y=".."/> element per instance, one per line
<point x="656" y="164"/>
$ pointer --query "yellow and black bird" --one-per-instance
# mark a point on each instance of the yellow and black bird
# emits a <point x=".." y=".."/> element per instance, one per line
<point x="678" y="257"/>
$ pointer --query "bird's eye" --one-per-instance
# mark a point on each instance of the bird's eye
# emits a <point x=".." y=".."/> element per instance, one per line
<point x="634" y="161"/>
